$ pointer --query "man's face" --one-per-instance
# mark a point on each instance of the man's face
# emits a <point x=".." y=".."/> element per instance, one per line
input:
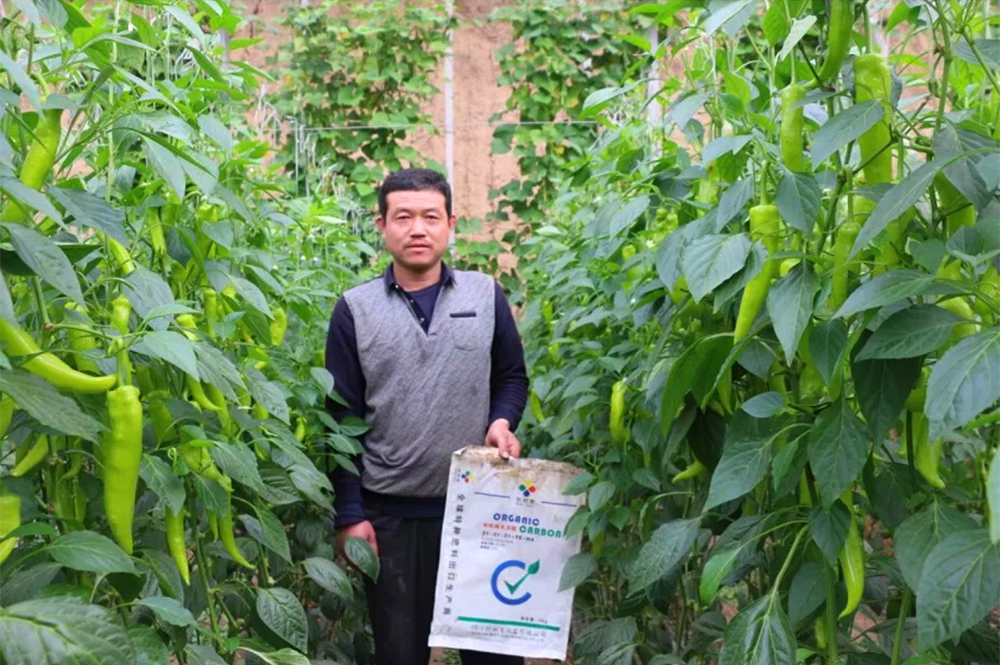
<point x="416" y="228"/>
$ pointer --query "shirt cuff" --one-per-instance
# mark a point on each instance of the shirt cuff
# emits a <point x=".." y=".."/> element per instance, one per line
<point x="348" y="504"/>
<point x="507" y="412"/>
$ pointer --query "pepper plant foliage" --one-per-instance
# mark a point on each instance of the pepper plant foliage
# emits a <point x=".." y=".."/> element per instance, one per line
<point x="142" y="239"/>
<point x="559" y="51"/>
<point x="359" y="64"/>
<point x="768" y="331"/>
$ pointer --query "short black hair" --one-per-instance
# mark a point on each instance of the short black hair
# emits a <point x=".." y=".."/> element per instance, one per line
<point x="413" y="180"/>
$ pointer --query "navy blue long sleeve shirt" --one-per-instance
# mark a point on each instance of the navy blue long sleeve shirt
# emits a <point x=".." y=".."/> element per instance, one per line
<point x="508" y="392"/>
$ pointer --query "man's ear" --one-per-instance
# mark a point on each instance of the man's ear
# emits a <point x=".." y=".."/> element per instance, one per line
<point x="452" y="222"/>
<point x="380" y="223"/>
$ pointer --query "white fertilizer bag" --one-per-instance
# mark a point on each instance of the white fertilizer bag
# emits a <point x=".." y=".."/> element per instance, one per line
<point x="502" y="556"/>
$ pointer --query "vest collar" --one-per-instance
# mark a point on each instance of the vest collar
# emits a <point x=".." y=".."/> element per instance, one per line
<point x="447" y="277"/>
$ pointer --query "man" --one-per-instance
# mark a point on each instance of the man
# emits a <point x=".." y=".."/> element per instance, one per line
<point x="431" y="358"/>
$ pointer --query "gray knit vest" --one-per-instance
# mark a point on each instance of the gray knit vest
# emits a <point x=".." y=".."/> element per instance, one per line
<point x="428" y="394"/>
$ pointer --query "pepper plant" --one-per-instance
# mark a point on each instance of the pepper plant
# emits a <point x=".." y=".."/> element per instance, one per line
<point x="164" y="491"/>
<point x="768" y="331"/>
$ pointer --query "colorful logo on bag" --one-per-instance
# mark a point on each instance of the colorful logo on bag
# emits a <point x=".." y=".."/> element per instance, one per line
<point x="527" y="488"/>
<point x="464" y="476"/>
<point x="509" y="578"/>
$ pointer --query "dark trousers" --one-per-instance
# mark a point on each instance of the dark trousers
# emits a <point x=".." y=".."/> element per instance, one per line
<point x="401" y="602"/>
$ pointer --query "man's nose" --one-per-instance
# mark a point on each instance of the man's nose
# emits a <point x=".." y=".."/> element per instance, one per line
<point x="418" y="228"/>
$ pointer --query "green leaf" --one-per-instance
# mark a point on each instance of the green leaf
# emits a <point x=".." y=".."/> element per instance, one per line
<point x="282" y="612"/>
<point x="202" y="654"/>
<point x="896" y="202"/>
<point x="45" y="259"/>
<point x="47" y="405"/>
<point x="159" y="564"/>
<point x="828" y="529"/>
<point x="598" y="100"/>
<point x="827" y="343"/>
<point x="775" y="24"/>
<point x="29" y="198"/>
<point x="892" y="287"/>
<point x="146" y="290"/>
<point x="798" y="200"/>
<point x="215" y="130"/>
<point x="723" y="145"/>
<point x="760" y="633"/>
<point x="167" y="165"/>
<point x="91" y="210"/>
<point x="215" y="368"/>
<point x="743" y="465"/>
<point x="838" y="444"/>
<point x="993" y="497"/>
<point x="168" y="610"/>
<point x="272" y="534"/>
<point x="253" y="295"/>
<point x="330" y="576"/>
<point x="360" y="553"/>
<point x="578" y="484"/>
<point x="23" y="81"/>
<point x="882" y="387"/>
<point x="716" y="569"/>
<point x="921" y="533"/>
<point x="156" y="473"/>
<point x="788" y="466"/>
<point x="724" y="13"/>
<point x="958" y="586"/>
<point x="843" y="128"/>
<point x="599" y="495"/>
<point x="911" y="332"/>
<point x="149" y="648"/>
<point x="711" y="260"/>
<point x="267" y="393"/>
<point x="171" y="347"/>
<point x="790" y="306"/>
<point x="28" y="583"/>
<point x="625" y="217"/>
<point x="806" y="593"/>
<point x="964" y="382"/>
<point x="280" y="657"/>
<point x="733" y="200"/>
<point x="667" y="548"/>
<point x="238" y="462"/>
<point x="764" y="405"/>
<point x="90" y="552"/>
<point x="800" y="27"/>
<point x="578" y="568"/>
<point x="323" y="378"/>
<point x="62" y="629"/>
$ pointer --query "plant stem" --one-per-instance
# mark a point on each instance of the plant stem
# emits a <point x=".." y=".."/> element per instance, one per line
<point x="909" y="448"/>
<point x="904" y="609"/>
<point x="947" y="55"/>
<point x="788" y="559"/>
<point x="203" y="575"/>
<point x="830" y="582"/>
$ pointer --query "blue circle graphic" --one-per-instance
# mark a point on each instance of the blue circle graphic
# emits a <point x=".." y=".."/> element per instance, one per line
<point x="495" y="580"/>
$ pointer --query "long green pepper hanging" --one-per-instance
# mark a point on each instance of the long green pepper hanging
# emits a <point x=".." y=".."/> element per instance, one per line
<point x="122" y="454"/>
<point x="765" y="226"/>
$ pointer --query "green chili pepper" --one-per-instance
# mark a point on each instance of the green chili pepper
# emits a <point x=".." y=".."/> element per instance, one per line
<point x="154" y="230"/>
<point x="989" y="296"/>
<point x="792" y="133"/>
<point x="37" y="163"/>
<point x="692" y="470"/>
<point x="958" y="211"/>
<point x="7" y="408"/>
<point x="300" y="429"/>
<point x="536" y="407"/>
<point x="81" y="341"/>
<point x="16" y="342"/>
<point x="34" y="456"/>
<point x="926" y="454"/>
<point x="121" y="312"/>
<point x="278" y="325"/>
<point x="159" y="414"/>
<point x="619" y="432"/>
<point x="228" y="538"/>
<point x="852" y="563"/>
<point x="10" y="519"/>
<point x="846" y="235"/>
<point x="841" y="25"/>
<point x="174" y="523"/>
<point x="210" y="302"/>
<point x="122" y="256"/>
<point x="765" y="226"/>
<point x="708" y="187"/>
<point x="122" y="455"/>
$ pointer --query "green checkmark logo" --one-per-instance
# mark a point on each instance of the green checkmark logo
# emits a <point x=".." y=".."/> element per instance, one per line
<point x="532" y="569"/>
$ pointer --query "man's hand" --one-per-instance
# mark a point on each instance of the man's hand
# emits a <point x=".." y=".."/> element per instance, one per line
<point x="500" y="437"/>
<point x="363" y="530"/>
